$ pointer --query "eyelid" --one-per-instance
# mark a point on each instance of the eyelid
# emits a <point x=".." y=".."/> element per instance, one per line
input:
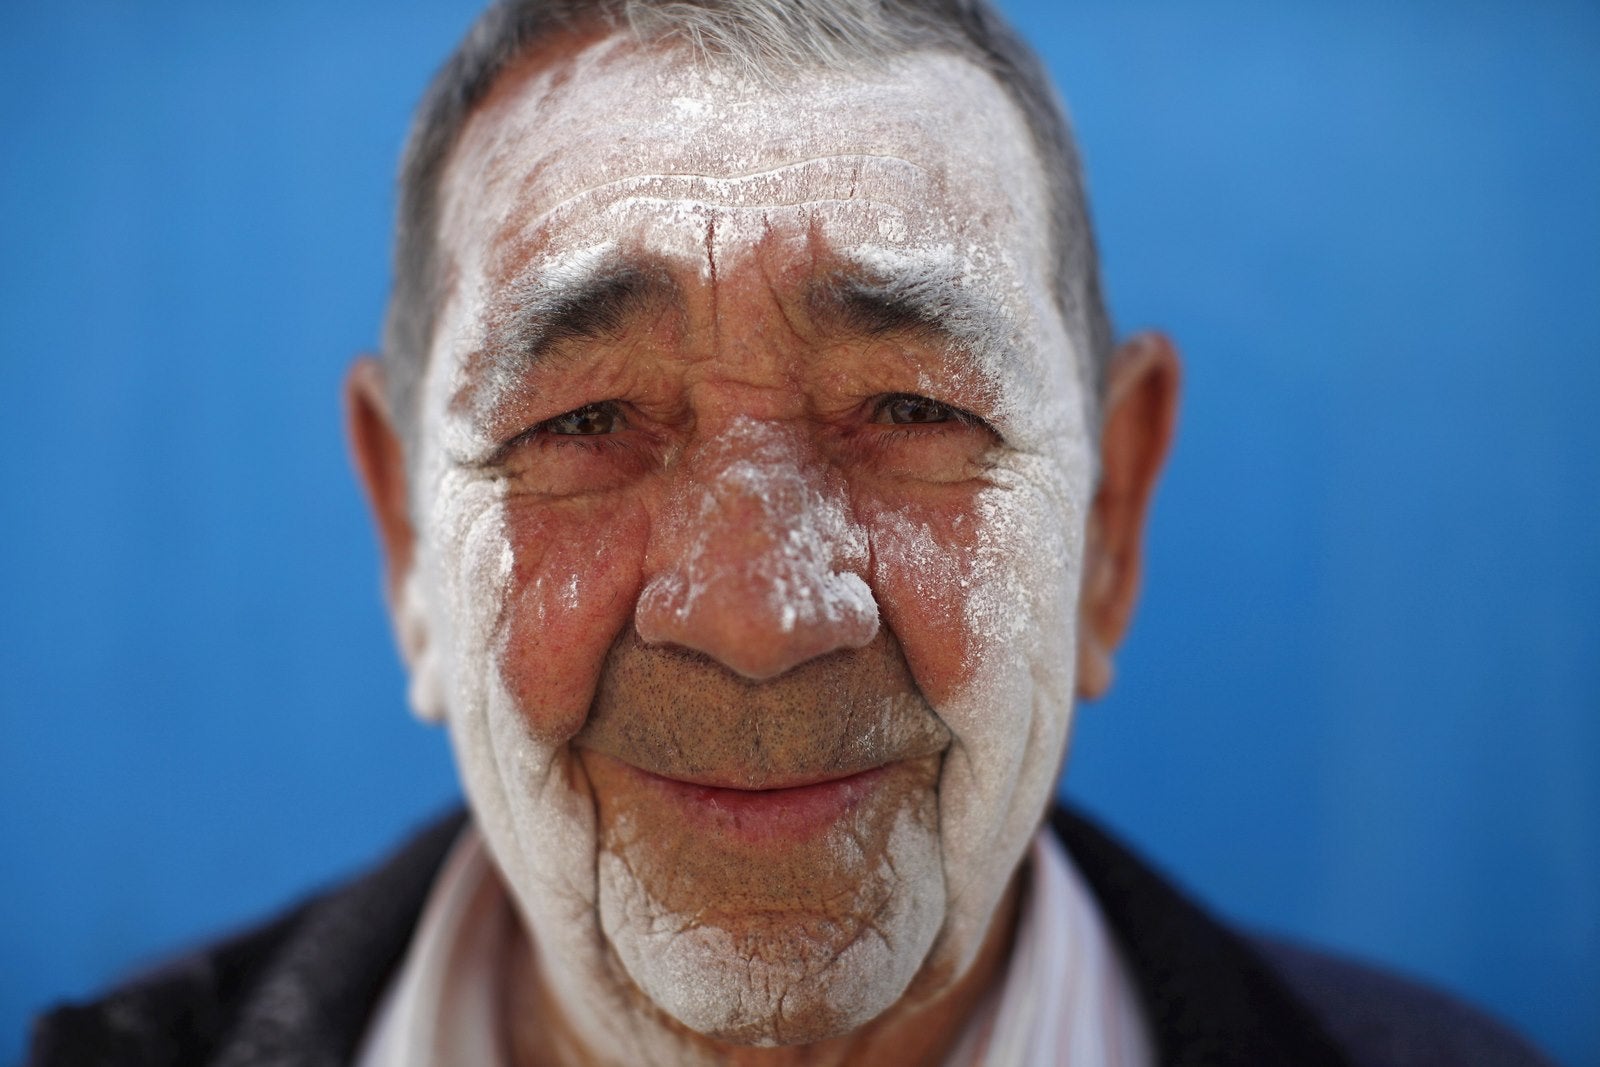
<point x="881" y="404"/>
<point x="956" y="412"/>
<point x="610" y="407"/>
<point x="606" y="407"/>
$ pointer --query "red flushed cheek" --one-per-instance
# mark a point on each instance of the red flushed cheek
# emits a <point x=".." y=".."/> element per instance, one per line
<point x="922" y="576"/>
<point x="576" y="575"/>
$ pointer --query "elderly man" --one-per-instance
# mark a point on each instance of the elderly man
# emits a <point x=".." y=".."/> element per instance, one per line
<point x="759" y="488"/>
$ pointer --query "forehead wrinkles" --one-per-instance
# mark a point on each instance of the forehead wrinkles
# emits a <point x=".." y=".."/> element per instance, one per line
<point x="801" y="181"/>
<point x="875" y="189"/>
<point x="614" y="112"/>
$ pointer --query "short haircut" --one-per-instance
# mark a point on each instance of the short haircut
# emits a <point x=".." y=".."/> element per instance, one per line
<point x="763" y="35"/>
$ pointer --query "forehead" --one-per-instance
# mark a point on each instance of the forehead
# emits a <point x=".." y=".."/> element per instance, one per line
<point x="606" y="142"/>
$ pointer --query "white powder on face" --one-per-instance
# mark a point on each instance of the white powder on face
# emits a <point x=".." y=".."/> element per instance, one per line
<point x="717" y="981"/>
<point x="539" y="829"/>
<point x="425" y="690"/>
<point x="1012" y="718"/>
<point x="923" y="164"/>
<point x="910" y="552"/>
<point x="755" y="483"/>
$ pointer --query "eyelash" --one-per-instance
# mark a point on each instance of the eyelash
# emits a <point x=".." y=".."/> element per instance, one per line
<point x="540" y="432"/>
<point x="585" y="444"/>
<point x="906" y="429"/>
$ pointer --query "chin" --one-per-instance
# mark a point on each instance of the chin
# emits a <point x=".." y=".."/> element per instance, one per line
<point x="783" y="992"/>
<point x="787" y="979"/>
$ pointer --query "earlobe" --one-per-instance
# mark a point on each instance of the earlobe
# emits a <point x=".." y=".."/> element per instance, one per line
<point x="1140" y="407"/>
<point x="1095" y="667"/>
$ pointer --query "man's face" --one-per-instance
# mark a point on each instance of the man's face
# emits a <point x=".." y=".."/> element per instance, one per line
<point x="749" y="504"/>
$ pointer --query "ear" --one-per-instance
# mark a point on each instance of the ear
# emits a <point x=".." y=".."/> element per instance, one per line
<point x="380" y="463"/>
<point x="1139" y="412"/>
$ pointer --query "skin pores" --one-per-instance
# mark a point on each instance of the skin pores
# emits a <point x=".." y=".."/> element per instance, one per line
<point x="758" y="563"/>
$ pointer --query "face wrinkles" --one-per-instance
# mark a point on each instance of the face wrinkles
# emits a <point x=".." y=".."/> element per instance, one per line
<point x="614" y="323"/>
<point x="757" y="581"/>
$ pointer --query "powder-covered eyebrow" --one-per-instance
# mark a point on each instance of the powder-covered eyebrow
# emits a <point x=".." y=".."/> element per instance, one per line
<point x="916" y="299"/>
<point x="592" y="302"/>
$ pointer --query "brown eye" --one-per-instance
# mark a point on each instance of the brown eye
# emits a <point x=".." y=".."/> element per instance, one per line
<point x="907" y="409"/>
<point x="589" y="421"/>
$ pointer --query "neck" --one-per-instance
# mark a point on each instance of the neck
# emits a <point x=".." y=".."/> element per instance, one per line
<point x="918" y="1031"/>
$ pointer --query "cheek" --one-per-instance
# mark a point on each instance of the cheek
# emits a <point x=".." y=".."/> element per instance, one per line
<point x="923" y="559"/>
<point x="575" y="578"/>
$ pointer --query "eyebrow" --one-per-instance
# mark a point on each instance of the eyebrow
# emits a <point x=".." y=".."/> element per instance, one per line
<point x="533" y="323"/>
<point x="919" y="299"/>
<point x="592" y="302"/>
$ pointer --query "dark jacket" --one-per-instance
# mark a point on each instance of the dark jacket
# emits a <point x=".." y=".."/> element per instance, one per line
<point x="299" y="990"/>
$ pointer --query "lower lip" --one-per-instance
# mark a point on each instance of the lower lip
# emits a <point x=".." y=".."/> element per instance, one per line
<point x="761" y="815"/>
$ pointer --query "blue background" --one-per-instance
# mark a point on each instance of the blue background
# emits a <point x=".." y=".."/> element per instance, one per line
<point x="1362" y="701"/>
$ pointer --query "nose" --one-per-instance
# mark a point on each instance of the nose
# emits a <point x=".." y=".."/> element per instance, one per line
<point x="761" y="561"/>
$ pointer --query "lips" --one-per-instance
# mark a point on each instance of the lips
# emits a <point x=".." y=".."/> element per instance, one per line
<point x="766" y="813"/>
<point x="756" y="816"/>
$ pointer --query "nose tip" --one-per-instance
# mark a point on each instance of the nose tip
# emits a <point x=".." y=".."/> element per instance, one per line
<point x="760" y="633"/>
<point x="762" y="568"/>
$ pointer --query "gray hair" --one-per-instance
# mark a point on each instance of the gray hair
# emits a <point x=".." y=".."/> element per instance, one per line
<point x="760" y="36"/>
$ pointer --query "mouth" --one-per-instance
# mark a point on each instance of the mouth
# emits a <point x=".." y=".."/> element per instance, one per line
<point x="788" y="813"/>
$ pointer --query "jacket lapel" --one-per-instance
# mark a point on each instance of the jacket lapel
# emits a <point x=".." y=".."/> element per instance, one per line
<point x="1210" y="1000"/>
